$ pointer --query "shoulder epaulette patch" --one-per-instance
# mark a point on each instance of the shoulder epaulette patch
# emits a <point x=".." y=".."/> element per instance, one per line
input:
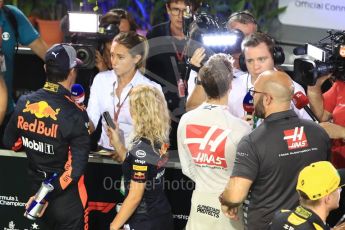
<point x="296" y="220"/>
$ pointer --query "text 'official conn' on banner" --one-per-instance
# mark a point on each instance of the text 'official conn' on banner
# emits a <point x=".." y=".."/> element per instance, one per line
<point x="323" y="14"/>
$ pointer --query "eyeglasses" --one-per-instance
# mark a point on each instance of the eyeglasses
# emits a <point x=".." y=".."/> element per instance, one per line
<point x="177" y="11"/>
<point x="252" y="92"/>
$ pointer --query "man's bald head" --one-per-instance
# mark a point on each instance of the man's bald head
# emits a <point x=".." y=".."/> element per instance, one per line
<point x="277" y="83"/>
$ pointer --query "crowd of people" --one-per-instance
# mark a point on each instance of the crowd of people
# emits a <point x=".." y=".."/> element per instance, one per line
<point x="257" y="161"/>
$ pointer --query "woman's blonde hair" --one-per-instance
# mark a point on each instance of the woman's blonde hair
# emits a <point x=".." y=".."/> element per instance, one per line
<point x="150" y="114"/>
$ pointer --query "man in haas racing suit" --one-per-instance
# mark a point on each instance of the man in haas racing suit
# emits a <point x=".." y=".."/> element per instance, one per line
<point x="207" y="141"/>
<point x="54" y="133"/>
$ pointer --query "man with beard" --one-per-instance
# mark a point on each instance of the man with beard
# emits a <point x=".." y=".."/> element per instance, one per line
<point x="269" y="159"/>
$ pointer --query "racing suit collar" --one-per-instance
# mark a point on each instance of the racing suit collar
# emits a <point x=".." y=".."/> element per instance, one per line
<point x="56" y="88"/>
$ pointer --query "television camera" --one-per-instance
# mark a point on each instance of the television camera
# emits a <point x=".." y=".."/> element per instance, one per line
<point x="88" y="35"/>
<point x="325" y="57"/>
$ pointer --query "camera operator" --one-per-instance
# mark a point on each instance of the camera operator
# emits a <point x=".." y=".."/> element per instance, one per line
<point x="243" y="21"/>
<point x="166" y="62"/>
<point x="127" y="22"/>
<point x="329" y="108"/>
<point x="124" y="22"/>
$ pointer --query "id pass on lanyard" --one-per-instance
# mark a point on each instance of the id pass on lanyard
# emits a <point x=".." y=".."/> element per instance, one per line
<point x="181" y="85"/>
<point x="2" y="56"/>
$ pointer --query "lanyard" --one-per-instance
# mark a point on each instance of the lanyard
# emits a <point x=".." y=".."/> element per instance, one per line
<point x="180" y="55"/>
<point x="119" y="106"/>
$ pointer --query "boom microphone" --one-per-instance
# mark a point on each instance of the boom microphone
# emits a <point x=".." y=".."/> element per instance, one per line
<point x="78" y="93"/>
<point x="301" y="101"/>
<point x="248" y="104"/>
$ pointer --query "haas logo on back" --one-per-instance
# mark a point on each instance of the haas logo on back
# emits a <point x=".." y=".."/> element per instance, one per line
<point x="207" y="145"/>
<point x="296" y="138"/>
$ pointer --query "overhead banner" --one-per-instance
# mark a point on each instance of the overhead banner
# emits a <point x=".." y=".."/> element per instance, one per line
<point x="323" y="14"/>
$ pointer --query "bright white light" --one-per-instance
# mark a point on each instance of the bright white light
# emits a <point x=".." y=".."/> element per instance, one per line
<point x="219" y="39"/>
<point x="83" y="22"/>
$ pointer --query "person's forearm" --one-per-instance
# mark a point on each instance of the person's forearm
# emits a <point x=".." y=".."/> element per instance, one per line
<point x="39" y="47"/>
<point x="3" y="99"/>
<point x="91" y="127"/>
<point x="121" y="150"/>
<point x="127" y="209"/>
<point x="316" y="101"/>
<point x="227" y="203"/>
<point x="197" y="97"/>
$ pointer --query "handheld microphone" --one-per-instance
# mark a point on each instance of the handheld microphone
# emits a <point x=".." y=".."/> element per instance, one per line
<point x="78" y="93"/>
<point x="248" y="104"/>
<point x="301" y="101"/>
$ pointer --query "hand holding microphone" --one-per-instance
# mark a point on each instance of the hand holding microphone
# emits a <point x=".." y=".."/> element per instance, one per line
<point x="78" y="94"/>
<point x="301" y="101"/>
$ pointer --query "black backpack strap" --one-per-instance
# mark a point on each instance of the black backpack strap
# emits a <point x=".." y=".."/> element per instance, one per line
<point x="13" y="21"/>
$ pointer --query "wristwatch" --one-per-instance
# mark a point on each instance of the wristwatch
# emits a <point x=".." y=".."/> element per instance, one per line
<point x="193" y="67"/>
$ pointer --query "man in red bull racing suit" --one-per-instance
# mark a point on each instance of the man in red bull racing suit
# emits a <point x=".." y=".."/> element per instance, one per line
<point x="53" y="130"/>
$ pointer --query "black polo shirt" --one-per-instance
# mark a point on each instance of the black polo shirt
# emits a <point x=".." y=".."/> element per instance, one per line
<point x="166" y="64"/>
<point x="299" y="219"/>
<point x="272" y="156"/>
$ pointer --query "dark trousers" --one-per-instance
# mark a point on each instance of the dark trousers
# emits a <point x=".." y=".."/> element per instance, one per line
<point x="162" y="222"/>
<point x="2" y="130"/>
<point x="65" y="211"/>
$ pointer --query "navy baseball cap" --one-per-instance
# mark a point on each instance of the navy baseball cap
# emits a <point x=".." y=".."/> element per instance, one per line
<point x="62" y="56"/>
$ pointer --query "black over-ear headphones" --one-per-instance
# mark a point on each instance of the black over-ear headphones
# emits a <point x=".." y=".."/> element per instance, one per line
<point x="278" y="56"/>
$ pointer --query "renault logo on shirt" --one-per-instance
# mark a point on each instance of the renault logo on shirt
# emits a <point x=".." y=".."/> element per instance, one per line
<point x="38" y="146"/>
<point x="295" y="138"/>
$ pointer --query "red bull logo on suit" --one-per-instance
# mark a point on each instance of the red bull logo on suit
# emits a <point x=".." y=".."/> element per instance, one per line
<point x="41" y="109"/>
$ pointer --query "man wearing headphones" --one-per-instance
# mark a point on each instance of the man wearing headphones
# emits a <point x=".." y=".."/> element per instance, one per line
<point x="259" y="54"/>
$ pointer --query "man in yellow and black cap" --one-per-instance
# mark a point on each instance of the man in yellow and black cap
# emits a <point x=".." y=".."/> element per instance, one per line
<point x="319" y="186"/>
